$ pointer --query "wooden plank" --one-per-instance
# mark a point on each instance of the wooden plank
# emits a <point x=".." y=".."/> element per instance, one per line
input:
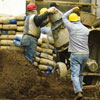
<point x="64" y="2"/>
<point x="91" y="87"/>
<point x="69" y="3"/>
<point x="91" y="74"/>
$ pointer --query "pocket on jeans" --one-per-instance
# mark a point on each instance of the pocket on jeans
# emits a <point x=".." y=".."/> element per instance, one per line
<point x="25" y="41"/>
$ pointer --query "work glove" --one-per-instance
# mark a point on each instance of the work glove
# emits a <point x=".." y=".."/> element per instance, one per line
<point x="75" y="9"/>
<point x="52" y="10"/>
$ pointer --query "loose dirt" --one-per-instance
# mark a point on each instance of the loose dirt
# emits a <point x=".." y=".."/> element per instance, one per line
<point x="19" y="80"/>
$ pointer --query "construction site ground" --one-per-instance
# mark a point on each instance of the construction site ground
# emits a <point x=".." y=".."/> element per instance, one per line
<point x="20" y="80"/>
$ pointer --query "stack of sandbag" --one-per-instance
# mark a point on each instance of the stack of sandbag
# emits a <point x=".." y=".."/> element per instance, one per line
<point x="9" y="27"/>
<point x="20" y="24"/>
<point x="45" y="54"/>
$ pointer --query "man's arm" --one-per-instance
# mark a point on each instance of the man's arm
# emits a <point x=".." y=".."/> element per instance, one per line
<point x="67" y="23"/>
<point x="39" y="19"/>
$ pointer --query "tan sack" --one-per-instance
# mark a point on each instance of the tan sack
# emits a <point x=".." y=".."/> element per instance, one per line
<point x="9" y="26"/>
<point x="20" y="28"/>
<point x="47" y="62"/>
<point x="0" y="26"/>
<point x="20" y="23"/>
<point x="6" y="42"/>
<point x="46" y="56"/>
<point x="48" y="51"/>
<point x="45" y="67"/>
<point x="49" y="40"/>
<point x="39" y="41"/>
<point x="7" y="37"/>
<point x="37" y="59"/>
<point x="45" y="45"/>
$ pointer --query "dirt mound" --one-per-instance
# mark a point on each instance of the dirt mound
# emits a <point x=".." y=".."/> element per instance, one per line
<point x="19" y="80"/>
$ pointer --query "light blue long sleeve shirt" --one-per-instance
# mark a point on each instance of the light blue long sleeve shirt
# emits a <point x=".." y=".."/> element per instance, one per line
<point x="78" y="35"/>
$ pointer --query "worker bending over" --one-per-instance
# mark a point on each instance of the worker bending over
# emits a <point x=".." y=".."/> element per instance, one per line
<point x="32" y="30"/>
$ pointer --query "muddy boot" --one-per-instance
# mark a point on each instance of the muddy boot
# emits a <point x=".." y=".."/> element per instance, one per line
<point x="79" y="96"/>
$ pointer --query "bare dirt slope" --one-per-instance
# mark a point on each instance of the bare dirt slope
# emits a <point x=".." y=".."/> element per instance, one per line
<point x="19" y="80"/>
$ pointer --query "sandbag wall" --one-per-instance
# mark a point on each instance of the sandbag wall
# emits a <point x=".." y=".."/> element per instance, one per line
<point x="45" y="56"/>
<point x="9" y="27"/>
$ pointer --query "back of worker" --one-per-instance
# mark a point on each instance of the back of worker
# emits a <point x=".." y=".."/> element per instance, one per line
<point x="30" y="27"/>
<point x="78" y="35"/>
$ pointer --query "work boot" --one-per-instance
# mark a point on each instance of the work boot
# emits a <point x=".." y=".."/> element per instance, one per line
<point x="79" y="96"/>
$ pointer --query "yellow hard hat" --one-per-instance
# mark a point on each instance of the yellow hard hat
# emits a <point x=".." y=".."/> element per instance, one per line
<point x="43" y="10"/>
<point x="73" y="17"/>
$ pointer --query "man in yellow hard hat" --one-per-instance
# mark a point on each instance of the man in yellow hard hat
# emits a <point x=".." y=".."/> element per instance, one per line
<point x="32" y="28"/>
<point x="78" y="47"/>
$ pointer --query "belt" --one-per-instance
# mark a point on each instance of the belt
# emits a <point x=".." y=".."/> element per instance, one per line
<point x="31" y="35"/>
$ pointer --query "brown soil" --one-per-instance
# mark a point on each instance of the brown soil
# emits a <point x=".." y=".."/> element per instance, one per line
<point x="19" y="80"/>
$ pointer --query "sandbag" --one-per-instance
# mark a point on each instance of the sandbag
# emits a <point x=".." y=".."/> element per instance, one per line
<point x="7" y="37"/>
<point x="20" y="23"/>
<point x="20" y="18"/>
<point x="8" y="32"/>
<point x="11" y="48"/>
<point x="48" y="46"/>
<point x="46" y="56"/>
<point x="50" y="40"/>
<point x="0" y="26"/>
<point x="35" y="64"/>
<point x="9" y="26"/>
<point x="6" y="42"/>
<point x="48" y="51"/>
<point x="8" y="20"/>
<point x="45" y="67"/>
<point x="37" y="59"/>
<point x="39" y="49"/>
<point x="19" y="32"/>
<point x="39" y="41"/>
<point x="61" y="38"/>
<point x="47" y="62"/>
<point x="20" y="28"/>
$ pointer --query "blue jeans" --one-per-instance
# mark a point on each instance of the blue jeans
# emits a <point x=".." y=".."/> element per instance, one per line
<point x="77" y="64"/>
<point x="30" y="45"/>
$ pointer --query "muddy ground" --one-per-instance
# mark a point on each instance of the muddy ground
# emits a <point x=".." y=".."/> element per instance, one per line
<point x="19" y="80"/>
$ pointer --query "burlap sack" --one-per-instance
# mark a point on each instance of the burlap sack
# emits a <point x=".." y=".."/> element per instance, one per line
<point x="39" y="49"/>
<point x="45" y="67"/>
<point x="6" y="43"/>
<point x="39" y="41"/>
<point x="20" y="23"/>
<point x="46" y="56"/>
<point x="12" y="32"/>
<point x="19" y="32"/>
<point x="50" y="40"/>
<point x="7" y="37"/>
<point x="20" y="28"/>
<point x="48" y="46"/>
<point x="20" y="18"/>
<point x="48" y="51"/>
<point x="0" y="26"/>
<point x="37" y="59"/>
<point x="11" y="48"/>
<point x="9" y="26"/>
<point x="47" y="62"/>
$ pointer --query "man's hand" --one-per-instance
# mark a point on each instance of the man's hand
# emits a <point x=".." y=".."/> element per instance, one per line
<point x="76" y="9"/>
<point x="52" y="10"/>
